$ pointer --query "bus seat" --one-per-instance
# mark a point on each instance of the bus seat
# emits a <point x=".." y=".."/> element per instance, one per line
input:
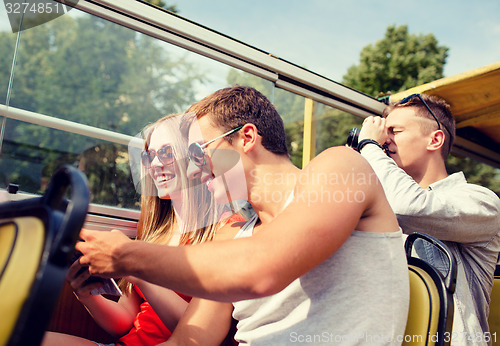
<point x="494" y="317"/>
<point x="430" y="315"/>
<point x="37" y="238"/>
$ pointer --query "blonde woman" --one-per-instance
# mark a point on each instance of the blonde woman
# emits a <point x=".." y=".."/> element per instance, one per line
<point x="174" y="211"/>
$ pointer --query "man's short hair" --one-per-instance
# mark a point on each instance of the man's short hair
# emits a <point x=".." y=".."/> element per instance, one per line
<point x="441" y="110"/>
<point x="235" y="106"/>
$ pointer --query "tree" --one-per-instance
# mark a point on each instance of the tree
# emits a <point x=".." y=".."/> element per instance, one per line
<point x="397" y="62"/>
<point x="163" y="4"/>
<point x="401" y="61"/>
<point x="92" y="72"/>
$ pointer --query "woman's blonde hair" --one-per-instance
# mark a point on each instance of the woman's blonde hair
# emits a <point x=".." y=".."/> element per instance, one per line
<point x="158" y="221"/>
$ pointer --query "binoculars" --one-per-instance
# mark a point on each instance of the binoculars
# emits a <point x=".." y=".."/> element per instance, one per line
<point x="353" y="140"/>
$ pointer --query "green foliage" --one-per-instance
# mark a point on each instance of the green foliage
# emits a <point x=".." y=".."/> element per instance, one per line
<point x="7" y="42"/>
<point x="295" y="141"/>
<point x="109" y="163"/>
<point x="397" y="62"/>
<point x="92" y="72"/>
<point x="476" y="173"/>
<point x="333" y="127"/>
<point x="163" y="4"/>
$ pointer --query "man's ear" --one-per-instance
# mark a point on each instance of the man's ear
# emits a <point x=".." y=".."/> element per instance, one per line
<point x="249" y="136"/>
<point x="436" y="140"/>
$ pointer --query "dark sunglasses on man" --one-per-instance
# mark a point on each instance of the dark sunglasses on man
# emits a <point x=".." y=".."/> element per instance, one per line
<point x="196" y="151"/>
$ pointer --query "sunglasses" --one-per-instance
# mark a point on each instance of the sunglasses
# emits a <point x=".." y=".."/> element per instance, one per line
<point x="165" y="155"/>
<point x="407" y="99"/>
<point x="196" y="151"/>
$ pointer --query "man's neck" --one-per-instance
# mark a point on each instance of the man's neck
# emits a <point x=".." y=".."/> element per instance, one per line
<point x="271" y="184"/>
<point x="435" y="171"/>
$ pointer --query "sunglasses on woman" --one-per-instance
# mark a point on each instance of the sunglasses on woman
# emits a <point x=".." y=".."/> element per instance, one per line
<point x="165" y="155"/>
<point x="196" y="151"/>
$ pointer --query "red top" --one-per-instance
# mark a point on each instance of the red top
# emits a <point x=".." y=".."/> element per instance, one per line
<point x="148" y="329"/>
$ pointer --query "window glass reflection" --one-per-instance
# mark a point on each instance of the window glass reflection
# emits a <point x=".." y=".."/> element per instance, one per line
<point x="7" y="43"/>
<point x="32" y="153"/>
<point x="90" y="71"/>
<point x="332" y="126"/>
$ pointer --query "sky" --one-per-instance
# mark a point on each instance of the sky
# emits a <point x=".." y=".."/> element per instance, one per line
<point x="327" y="36"/>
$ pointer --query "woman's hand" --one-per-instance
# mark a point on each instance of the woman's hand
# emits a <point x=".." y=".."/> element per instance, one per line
<point x="77" y="276"/>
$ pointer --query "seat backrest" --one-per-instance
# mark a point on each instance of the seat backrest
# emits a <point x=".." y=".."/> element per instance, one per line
<point x="494" y="317"/>
<point x="21" y="243"/>
<point x="37" y="238"/>
<point x="430" y="316"/>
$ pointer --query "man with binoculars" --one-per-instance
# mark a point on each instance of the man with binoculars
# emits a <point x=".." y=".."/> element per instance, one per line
<point x="407" y="148"/>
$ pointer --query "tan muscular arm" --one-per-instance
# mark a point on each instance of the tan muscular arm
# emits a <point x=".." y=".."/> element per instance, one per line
<point x="267" y="262"/>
